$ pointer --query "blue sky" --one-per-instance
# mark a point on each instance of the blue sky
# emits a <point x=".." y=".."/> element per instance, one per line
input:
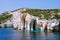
<point x="8" y="5"/>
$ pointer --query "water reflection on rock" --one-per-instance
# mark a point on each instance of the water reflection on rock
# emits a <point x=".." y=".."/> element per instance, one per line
<point x="10" y="34"/>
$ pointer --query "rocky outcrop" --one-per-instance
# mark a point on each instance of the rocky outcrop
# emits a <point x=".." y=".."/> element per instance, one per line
<point x="27" y="21"/>
<point x="7" y="24"/>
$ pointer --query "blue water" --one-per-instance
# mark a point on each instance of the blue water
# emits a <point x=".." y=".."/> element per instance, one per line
<point x="10" y="34"/>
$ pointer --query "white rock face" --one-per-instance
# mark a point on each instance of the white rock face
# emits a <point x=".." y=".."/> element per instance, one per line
<point x="8" y="23"/>
<point x="2" y="25"/>
<point x="16" y="19"/>
<point x="28" y="19"/>
<point x="58" y="13"/>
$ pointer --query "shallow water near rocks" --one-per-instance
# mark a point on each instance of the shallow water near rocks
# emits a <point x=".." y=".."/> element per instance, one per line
<point x="11" y="34"/>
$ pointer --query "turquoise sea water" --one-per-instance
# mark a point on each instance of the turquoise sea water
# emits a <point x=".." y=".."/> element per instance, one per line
<point x="10" y="34"/>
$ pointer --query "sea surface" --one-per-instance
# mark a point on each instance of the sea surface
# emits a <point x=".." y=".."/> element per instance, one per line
<point x="11" y="34"/>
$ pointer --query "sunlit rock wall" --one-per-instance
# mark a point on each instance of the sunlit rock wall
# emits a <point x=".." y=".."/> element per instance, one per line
<point x="16" y="18"/>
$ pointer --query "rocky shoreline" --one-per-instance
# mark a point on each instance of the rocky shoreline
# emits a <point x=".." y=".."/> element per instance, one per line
<point x="21" y="20"/>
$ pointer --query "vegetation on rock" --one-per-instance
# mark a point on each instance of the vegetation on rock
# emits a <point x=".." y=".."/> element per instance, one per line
<point x="5" y="16"/>
<point x="48" y="13"/>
